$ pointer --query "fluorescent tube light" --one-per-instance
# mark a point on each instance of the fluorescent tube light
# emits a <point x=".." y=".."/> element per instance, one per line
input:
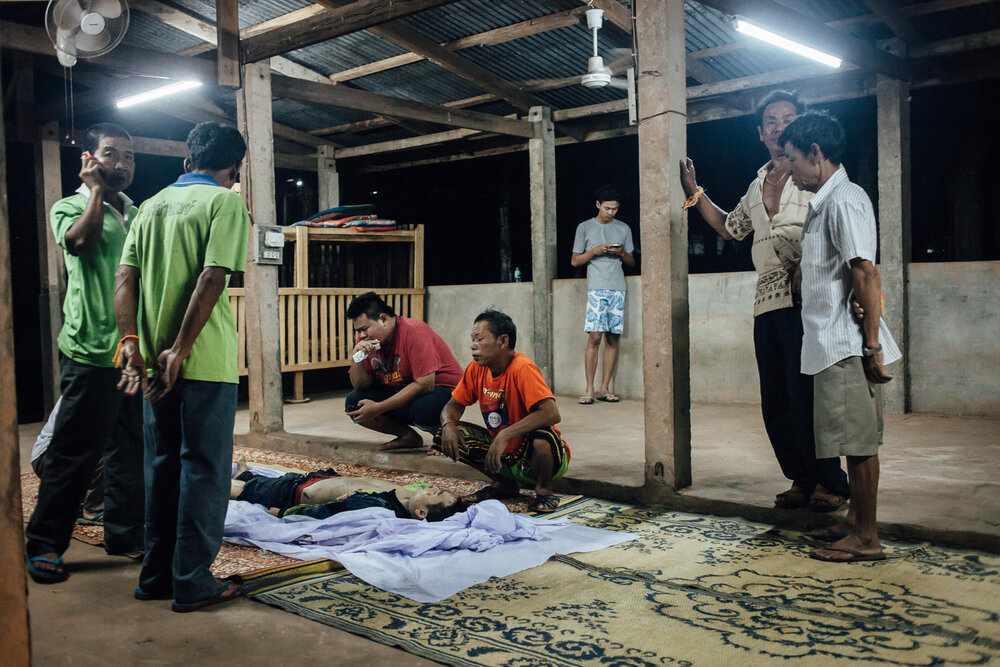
<point x="785" y="43"/>
<point x="156" y="92"/>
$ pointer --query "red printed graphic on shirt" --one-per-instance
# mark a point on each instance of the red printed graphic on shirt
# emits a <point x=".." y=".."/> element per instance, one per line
<point x="387" y="371"/>
<point x="494" y="408"/>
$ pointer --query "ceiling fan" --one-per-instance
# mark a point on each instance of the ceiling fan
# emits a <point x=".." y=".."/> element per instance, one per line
<point x="85" y="28"/>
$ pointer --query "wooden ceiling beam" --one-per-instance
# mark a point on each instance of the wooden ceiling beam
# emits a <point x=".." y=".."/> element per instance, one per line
<point x="355" y="16"/>
<point x="351" y="98"/>
<point x="227" y="28"/>
<point x="889" y="14"/>
<point x="206" y="32"/>
<point x="413" y="41"/>
<point x="769" y="14"/>
<point x="490" y="37"/>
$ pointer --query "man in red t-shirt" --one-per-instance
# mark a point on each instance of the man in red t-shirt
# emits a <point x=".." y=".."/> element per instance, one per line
<point x="520" y="445"/>
<point x="405" y="376"/>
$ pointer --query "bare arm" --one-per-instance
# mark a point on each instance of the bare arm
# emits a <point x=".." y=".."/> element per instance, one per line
<point x="357" y="373"/>
<point x="126" y="314"/>
<point x="451" y="439"/>
<point x="84" y="235"/>
<point x="868" y="293"/>
<point x="542" y="414"/>
<point x="207" y="291"/>
<point x="411" y="392"/>
<point x="583" y="258"/>
<point x="713" y="215"/>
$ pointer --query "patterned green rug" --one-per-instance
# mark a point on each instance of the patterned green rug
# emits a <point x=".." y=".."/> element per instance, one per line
<point x="693" y="590"/>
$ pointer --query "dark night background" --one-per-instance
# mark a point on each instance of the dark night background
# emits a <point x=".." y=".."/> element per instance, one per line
<point x="955" y="199"/>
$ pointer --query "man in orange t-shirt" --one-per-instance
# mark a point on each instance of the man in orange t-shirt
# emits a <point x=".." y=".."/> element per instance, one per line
<point x="520" y="445"/>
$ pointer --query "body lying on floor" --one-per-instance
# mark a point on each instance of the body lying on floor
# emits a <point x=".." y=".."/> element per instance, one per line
<point x="323" y="493"/>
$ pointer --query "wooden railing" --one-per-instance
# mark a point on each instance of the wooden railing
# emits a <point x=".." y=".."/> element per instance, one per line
<point x="315" y="331"/>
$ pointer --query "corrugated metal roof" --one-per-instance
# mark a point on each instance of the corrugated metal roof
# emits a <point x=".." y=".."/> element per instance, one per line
<point x="554" y="54"/>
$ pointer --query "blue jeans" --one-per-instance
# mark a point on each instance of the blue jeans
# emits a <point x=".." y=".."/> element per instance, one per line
<point x="424" y="413"/>
<point x="786" y="402"/>
<point x="188" y="463"/>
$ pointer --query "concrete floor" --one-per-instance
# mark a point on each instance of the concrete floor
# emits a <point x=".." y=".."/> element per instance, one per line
<point x="938" y="473"/>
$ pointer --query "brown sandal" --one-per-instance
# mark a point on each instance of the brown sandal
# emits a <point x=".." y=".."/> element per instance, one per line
<point x="792" y="499"/>
<point x="824" y="501"/>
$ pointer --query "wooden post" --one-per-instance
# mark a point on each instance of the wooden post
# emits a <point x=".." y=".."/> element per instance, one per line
<point x="14" y="635"/>
<point x="666" y="360"/>
<point x="253" y="102"/>
<point x="894" y="225"/>
<point x="329" y="179"/>
<point x="227" y="26"/>
<point x="301" y="280"/>
<point x="542" y="179"/>
<point x="48" y="189"/>
<point x="417" y="266"/>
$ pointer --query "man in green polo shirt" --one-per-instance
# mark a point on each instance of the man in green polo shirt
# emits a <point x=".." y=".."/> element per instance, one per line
<point x="175" y="319"/>
<point x="94" y="419"/>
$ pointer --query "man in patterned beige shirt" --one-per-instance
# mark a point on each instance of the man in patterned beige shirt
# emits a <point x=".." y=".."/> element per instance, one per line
<point x="774" y="210"/>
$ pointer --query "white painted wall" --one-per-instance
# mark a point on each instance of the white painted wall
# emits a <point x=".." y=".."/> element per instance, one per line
<point x="954" y="334"/>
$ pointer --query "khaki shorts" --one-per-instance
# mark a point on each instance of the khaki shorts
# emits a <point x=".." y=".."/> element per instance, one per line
<point x="847" y="411"/>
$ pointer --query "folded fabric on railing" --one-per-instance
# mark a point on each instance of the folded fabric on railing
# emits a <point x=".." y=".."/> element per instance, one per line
<point x="370" y="222"/>
<point x="426" y="562"/>
<point x="343" y="211"/>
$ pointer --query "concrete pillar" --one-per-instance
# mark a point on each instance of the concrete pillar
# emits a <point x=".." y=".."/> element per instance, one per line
<point x="14" y="635"/>
<point x="542" y="179"/>
<point x="893" y="101"/>
<point x="329" y="179"/>
<point x="662" y="107"/>
<point x="52" y="279"/>
<point x="253" y="102"/>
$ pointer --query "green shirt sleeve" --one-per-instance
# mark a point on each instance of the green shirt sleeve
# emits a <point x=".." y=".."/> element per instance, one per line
<point x="63" y="214"/>
<point x="227" y="237"/>
<point x="130" y="251"/>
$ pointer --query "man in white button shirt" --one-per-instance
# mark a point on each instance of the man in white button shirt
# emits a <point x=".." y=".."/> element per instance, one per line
<point x="773" y="210"/>
<point x="839" y="243"/>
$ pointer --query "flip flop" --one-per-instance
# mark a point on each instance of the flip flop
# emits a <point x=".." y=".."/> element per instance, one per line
<point x="856" y="556"/>
<point x="826" y="535"/>
<point x="609" y="398"/>
<point x="146" y="596"/>
<point x="40" y="576"/>
<point x="825" y="501"/>
<point x="586" y="400"/>
<point x="229" y="589"/>
<point x="96" y="520"/>
<point x="545" y="504"/>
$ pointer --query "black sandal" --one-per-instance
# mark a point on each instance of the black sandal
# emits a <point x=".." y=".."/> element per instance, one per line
<point x="545" y="504"/>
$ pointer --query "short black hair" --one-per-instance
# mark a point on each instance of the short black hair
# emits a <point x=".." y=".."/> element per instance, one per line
<point x="440" y="511"/>
<point x="608" y="193"/>
<point x="213" y="146"/>
<point x="92" y="135"/>
<point x="820" y="128"/>
<point x="499" y="324"/>
<point x="790" y="96"/>
<point x="370" y="305"/>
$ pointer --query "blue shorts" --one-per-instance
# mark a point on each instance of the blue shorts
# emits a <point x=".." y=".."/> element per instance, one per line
<point x="605" y="311"/>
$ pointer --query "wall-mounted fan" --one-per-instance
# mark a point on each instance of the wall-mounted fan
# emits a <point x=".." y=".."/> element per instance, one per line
<point x="85" y="28"/>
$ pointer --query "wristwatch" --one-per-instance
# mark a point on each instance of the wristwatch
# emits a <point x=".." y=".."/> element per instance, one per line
<point x="870" y="351"/>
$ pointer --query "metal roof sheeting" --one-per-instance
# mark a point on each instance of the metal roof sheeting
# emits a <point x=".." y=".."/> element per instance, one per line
<point x="555" y="54"/>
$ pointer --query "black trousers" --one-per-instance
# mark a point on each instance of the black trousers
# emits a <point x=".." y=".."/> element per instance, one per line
<point x="96" y="421"/>
<point x="786" y="401"/>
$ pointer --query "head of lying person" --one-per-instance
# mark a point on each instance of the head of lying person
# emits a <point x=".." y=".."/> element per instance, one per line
<point x="431" y="504"/>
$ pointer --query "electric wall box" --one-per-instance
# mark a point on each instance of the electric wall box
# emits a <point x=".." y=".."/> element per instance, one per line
<point x="268" y="245"/>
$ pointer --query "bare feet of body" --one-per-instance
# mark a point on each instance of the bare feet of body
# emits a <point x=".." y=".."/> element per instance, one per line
<point x="411" y="440"/>
<point x="849" y="549"/>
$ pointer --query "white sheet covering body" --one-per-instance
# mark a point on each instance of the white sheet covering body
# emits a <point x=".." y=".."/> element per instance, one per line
<point x="425" y="562"/>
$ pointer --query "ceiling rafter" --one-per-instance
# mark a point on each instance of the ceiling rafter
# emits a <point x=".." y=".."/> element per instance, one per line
<point x="338" y="21"/>
<point x="889" y="14"/>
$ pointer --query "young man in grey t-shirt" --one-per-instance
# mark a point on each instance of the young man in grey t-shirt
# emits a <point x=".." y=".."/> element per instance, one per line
<point x="604" y="244"/>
